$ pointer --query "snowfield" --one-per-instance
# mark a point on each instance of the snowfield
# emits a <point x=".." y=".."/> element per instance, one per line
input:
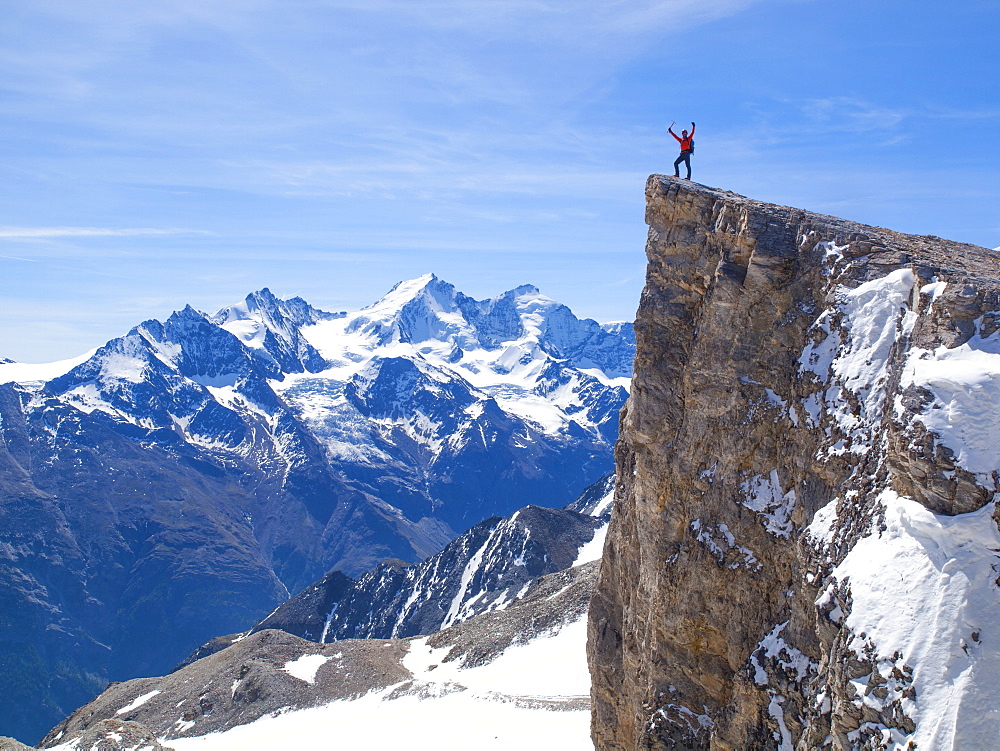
<point x="533" y="697"/>
<point x="965" y="383"/>
<point x="22" y="372"/>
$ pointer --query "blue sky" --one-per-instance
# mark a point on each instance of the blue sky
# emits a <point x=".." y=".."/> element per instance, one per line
<point x="191" y="151"/>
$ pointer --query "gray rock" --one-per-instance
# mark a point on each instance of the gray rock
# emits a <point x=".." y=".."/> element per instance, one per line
<point x="113" y="735"/>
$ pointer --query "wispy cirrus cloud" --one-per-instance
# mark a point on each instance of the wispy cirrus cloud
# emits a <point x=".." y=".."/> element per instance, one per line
<point x="852" y="115"/>
<point x="43" y="232"/>
<point x="370" y="140"/>
<point x="563" y="21"/>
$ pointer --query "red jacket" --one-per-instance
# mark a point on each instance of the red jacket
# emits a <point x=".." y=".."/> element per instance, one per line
<point x="684" y="142"/>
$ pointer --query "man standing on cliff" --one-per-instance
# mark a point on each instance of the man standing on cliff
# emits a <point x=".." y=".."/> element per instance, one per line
<point x="687" y="149"/>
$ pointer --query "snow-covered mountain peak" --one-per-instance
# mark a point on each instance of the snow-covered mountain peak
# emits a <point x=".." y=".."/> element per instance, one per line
<point x="514" y="333"/>
<point x="527" y="352"/>
<point x="271" y="327"/>
<point x="264" y="306"/>
<point x="430" y="309"/>
<point x="525" y="289"/>
<point x="445" y="407"/>
<point x="187" y="313"/>
<point x="409" y="290"/>
<point x="527" y="355"/>
<point x="414" y="311"/>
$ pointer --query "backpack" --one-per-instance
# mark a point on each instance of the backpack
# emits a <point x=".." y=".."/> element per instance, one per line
<point x="691" y="150"/>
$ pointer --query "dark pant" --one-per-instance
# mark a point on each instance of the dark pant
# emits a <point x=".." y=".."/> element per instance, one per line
<point x="686" y="158"/>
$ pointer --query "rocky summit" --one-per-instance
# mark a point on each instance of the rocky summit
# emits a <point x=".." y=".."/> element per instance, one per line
<point x="803" y="552"/>
<point x="182" y="480"/>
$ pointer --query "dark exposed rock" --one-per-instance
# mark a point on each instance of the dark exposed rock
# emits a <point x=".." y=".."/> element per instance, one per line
<point x="550" y="601"/>
<point x="483" y="569"/>
<point x="592" y="500"/>
<point x="306" y="614"/>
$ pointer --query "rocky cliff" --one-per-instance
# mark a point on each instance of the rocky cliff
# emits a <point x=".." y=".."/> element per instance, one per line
<point x="803" y="551"/>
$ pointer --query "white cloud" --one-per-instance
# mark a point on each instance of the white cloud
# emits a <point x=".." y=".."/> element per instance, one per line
<point x="73" y="51"/>
<point x="329" y="97"/>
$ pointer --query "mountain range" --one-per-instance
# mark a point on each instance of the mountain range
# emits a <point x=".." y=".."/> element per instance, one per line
<point x="182" y="480"/>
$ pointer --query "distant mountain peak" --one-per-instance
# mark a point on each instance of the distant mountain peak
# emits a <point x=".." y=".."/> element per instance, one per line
<point x="264" y="304"/>
<point x="522" y="290"/>
<point x="188" y="313"/>
<point x="271" y="326"/>
<point x="429" y="309"/>
<point x="428" y="286"/>
<point x="408" y="289"/>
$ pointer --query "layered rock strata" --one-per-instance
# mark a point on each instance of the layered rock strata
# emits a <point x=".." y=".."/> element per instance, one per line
<point x="803" y="548"/>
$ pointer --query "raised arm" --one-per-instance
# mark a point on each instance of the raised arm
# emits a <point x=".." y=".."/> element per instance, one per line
<point x="692" y="130"/>
<point x="670" y="130"/>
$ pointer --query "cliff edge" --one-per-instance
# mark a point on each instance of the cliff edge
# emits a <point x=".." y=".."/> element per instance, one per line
<point x="803" y="552"/>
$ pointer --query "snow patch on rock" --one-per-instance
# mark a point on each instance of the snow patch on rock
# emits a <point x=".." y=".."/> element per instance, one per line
<point x="965" y="384"/>
<point x="925" y="593"/>
<point x="305" y="667"/>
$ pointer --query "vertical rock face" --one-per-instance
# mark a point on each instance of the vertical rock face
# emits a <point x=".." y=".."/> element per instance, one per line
<point x="803" y="547"/>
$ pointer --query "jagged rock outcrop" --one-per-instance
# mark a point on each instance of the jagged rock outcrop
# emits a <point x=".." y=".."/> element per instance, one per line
<point x="307" y="614"/>
<point x="803" y="547"/>
<point x="484" y="569"/>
